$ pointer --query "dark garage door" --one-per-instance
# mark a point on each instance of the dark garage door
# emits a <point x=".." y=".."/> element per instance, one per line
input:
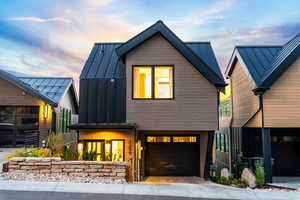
<point x="172" y="156"/>
<point x="286" y="156"/>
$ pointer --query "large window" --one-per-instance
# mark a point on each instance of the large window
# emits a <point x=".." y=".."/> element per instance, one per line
<point x="153" y="82"/>
<point x="102" y="150"/>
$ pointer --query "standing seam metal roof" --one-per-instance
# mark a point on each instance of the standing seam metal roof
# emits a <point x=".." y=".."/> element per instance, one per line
<point x="52" y="88"/>
<point x="103" y="61"/>
<point x="266" y="63"/>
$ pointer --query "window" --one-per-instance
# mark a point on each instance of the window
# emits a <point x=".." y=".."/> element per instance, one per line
<point x="153" y="82"/>
<point x="117" y="150"/>
<point x="104" y="150"/>
<point x="158" y="139"/>
<point x="185" y="139"/>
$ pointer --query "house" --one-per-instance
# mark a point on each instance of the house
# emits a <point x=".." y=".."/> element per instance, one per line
<point x="265" y="97"/>
<point x="33" y="107"/>
<point x="151" y="101"/>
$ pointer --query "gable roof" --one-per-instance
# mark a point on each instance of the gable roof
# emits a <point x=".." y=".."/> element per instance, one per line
<point x="265" y="64"/>
<point x="48" y="89"/>
<point x="160" y="28"/>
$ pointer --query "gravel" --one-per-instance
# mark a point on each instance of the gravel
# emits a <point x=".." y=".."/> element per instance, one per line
<point x="57" y="178"/>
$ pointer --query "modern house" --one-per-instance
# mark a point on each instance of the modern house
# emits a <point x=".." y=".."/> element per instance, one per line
<point x="265" y="96"/>
<point x="33" y="107"/>
<point x="151" y="101"/>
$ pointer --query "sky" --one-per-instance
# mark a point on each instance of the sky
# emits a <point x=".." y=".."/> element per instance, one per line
<point x="55" y="37"/>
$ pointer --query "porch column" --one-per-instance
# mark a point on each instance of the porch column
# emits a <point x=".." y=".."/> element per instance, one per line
<point x="267" y="154"/>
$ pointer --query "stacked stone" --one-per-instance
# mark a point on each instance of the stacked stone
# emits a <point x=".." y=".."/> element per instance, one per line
<point x="114" y="170"/>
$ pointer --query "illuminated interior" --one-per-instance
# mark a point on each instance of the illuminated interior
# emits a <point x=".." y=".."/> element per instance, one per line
<point x="172" y="138"/>
<point x="163" y="82"/>
<point x="142" y="82"/>
<point x="144" y="76"/>
<point x="117" y="150"/>
<point x="106" y="150"/>
<point x="158" y="139"/>
<point x="184" y="139"/>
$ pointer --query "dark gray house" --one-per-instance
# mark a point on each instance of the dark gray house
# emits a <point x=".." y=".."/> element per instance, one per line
<point x="151" y="101"/>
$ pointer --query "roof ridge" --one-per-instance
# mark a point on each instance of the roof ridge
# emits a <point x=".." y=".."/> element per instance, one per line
<point x="107" y="43"/>
<point x="257" y="46"/>
<point x="197" y="42"/>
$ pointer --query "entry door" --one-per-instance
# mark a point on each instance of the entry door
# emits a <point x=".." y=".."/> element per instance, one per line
<point x="176" y="156"/>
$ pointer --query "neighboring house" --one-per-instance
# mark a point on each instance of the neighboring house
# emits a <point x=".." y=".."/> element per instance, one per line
<point x="33" y="107"/>
<point x="265" y="84"/>
<point x="151" y="101"/>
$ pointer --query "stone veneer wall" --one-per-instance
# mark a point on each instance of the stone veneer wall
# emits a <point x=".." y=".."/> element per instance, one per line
<point x="113" y="170"/>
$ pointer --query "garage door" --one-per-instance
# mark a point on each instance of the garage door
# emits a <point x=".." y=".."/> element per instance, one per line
<point x="286" y="151"/>
<point x="172" y="156"/>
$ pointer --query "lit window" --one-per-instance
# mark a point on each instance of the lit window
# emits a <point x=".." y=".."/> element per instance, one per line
<point x="117" y="150"/>
<point x="142" y="82"/>
<point x="158" y="139"/>
<point x="185" y="139"/>
<point x="152" y="82"/>
<point x="163" y="82"/>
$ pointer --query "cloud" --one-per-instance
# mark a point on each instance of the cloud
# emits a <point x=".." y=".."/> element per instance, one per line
<point x="39" y="20"/>
<point x="204" y="15"/>
<point x="224" y="42"/>
<point x="39" y="44"/>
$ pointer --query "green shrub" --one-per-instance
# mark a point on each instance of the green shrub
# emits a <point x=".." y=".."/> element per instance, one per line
<point x="68" y="154"/>
<point x="223" y="180"/>
<point x="260" y="175"/>
<point x="239" y="167"/>
<point x="231" y="181"/>
<point x="91" y="156"/>
<point x="41" y="152"/>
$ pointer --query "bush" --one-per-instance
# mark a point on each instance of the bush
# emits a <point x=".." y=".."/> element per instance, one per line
<point x="30" y="152"/>
<point x="260" y="175"/>
<point x="41" y="152"/>
<point x="56" y="142"/>
<point x="239" y="167"/>
<point x="91" y="156"/>
<point x="68" y="154"/>
<point x="231" y="181"/>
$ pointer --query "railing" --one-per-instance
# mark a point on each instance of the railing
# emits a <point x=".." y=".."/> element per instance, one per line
<point x="70" y="137"/>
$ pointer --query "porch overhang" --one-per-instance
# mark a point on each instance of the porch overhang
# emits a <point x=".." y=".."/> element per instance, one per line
<point x="86" y="126"/>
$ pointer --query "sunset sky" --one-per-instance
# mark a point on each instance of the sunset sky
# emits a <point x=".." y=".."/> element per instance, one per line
<point x="54" y="37"/>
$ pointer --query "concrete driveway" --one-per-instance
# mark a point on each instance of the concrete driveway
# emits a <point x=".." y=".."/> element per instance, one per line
<point x="292" y="182"/>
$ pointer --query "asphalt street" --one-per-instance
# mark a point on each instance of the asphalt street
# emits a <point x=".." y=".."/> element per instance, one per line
<point x="28" y="195"/>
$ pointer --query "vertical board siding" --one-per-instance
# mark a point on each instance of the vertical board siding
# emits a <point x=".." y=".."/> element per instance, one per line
<point x="244" y="102"/>
<point x="102" y="100"/>
<point x="195" y="104"/>
<point x="282" y="101"/>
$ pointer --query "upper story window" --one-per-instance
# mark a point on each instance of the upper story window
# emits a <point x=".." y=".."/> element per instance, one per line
<point x="153" y="82"/>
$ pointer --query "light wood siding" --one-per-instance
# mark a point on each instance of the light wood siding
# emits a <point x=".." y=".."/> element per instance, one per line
<point x="195" y="103"/>
<point x="244" y="102"/>
<point x="282" y="101"/>
<point x="12" y="95"/>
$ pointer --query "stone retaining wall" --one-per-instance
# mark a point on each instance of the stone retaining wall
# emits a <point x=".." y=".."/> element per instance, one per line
<point x="113" y="170"/>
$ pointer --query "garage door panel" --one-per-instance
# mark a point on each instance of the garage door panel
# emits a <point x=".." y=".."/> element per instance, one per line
<point x="172" y="159"/>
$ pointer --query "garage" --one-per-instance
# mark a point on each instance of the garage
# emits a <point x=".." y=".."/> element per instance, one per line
<point x="172" y="156"/>
<point x="285" y="152"/>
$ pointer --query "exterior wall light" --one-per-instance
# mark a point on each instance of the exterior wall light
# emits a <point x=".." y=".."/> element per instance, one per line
<point x="46" y="110"/>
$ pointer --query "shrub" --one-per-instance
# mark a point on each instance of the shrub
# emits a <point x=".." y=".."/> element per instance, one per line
<point x="231" y="181"/>
<point x="260" y="175"/>
<point x="56" y="141"/>
<point x="89" y="155"/>
<point x="68" y="154"/>
<point x="41" y="152"/>
<point x="239" y="167"/>
<point x="23" y="152"/>
<point x="223" y="180"/>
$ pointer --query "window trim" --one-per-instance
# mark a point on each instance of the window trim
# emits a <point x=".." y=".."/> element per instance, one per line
<point x="152" y="82"/>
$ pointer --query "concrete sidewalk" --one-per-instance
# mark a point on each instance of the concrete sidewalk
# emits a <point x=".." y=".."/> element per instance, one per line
<point x="208" y="190"/>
